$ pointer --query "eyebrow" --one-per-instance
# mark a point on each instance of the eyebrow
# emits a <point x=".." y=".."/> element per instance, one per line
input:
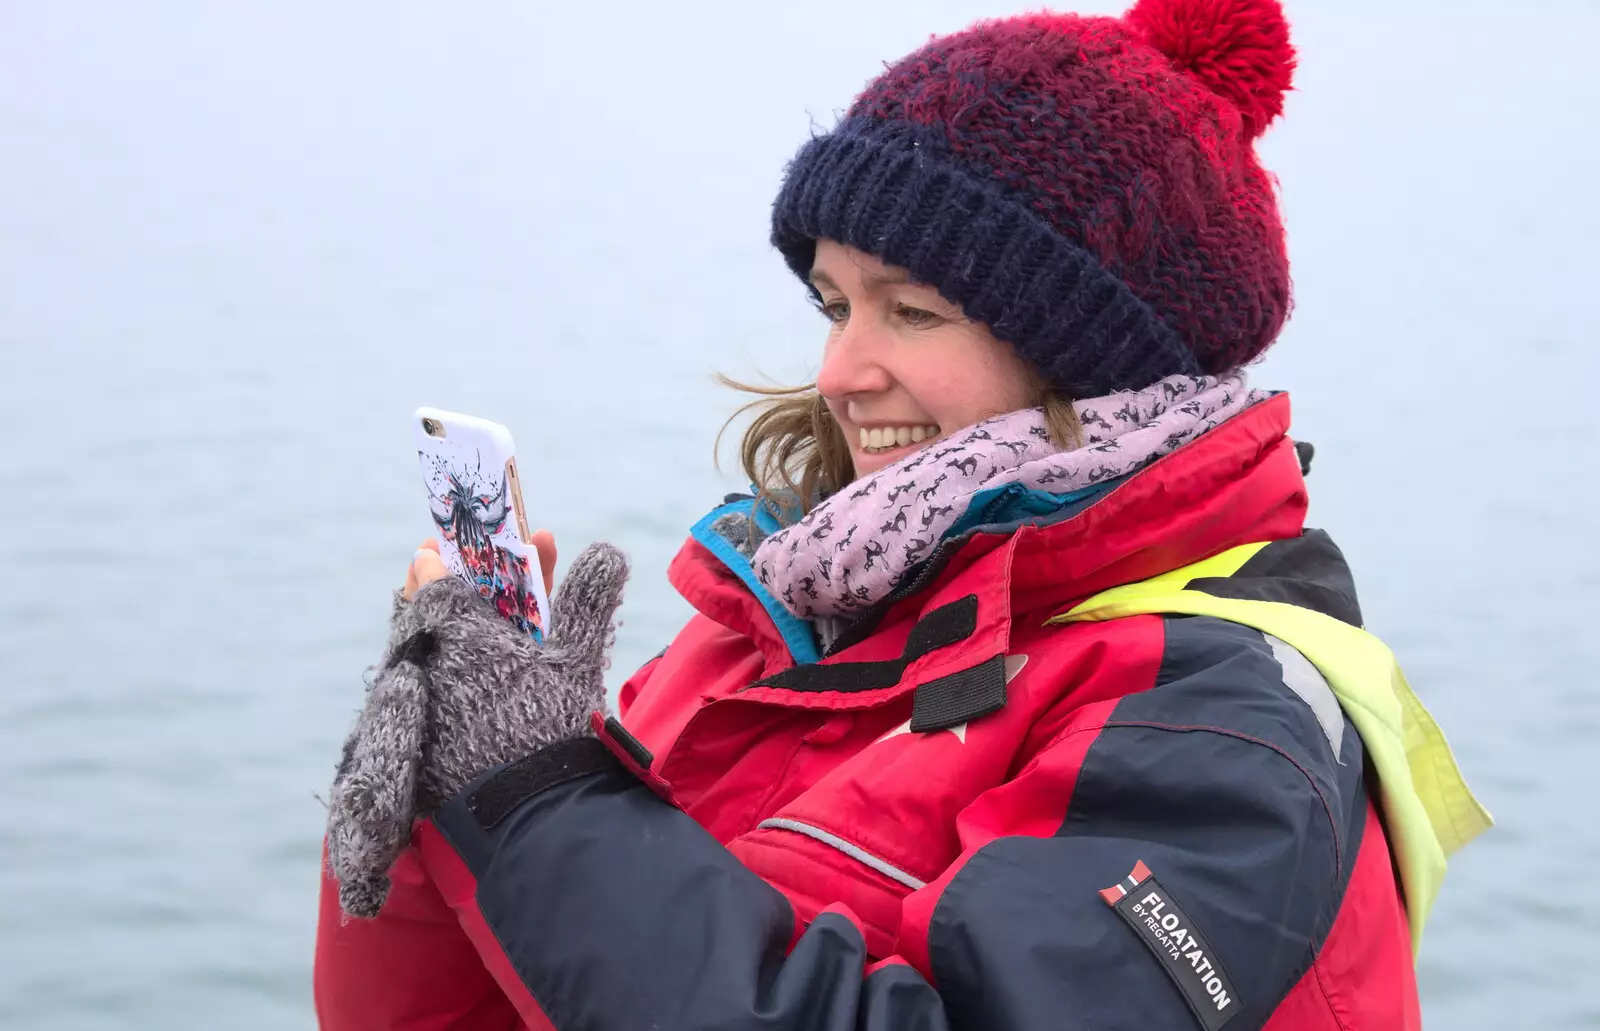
<point x="819" y="278"/>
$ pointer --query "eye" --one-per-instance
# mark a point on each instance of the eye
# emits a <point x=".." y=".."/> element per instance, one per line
<point x="834" y="311"/>
<point x="915" y="316"/>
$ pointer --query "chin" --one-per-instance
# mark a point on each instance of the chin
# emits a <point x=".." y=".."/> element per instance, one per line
<point x="866" y="465"/>
<point x="869" y="462"/>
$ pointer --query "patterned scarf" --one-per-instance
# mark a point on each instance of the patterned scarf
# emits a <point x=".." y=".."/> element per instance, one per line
<point x="851" y="551"/>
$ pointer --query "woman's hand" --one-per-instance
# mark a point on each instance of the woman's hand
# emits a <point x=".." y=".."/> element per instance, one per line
<point x="427" y="566"/>
<point x="459" y="692"/>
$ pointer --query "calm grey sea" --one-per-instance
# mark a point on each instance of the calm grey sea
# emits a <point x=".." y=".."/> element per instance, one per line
<point x="240" y="242"/>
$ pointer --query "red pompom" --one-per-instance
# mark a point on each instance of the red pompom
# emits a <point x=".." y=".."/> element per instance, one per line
<point x="1237" y="48"/>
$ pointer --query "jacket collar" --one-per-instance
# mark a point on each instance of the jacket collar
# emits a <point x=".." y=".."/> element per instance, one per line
<point x="1238" y="483"/>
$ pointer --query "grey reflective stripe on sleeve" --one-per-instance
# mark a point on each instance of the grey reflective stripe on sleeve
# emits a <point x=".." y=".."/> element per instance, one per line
<point x="855" y="852"/>
<point x="1305" y="680"/>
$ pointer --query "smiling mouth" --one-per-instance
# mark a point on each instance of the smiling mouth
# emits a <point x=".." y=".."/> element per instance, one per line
<point x="884" y="439"/>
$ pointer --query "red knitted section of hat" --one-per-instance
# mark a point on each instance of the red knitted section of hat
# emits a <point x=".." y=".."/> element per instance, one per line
<point x="1133" y="137"/>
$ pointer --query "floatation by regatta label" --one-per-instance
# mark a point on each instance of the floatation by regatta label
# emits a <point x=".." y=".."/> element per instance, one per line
<point x="1183" y="951"/>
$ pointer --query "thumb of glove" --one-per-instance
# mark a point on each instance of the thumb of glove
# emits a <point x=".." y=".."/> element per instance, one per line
<point x="585" y="604"/>
<point x="373" y="801"/>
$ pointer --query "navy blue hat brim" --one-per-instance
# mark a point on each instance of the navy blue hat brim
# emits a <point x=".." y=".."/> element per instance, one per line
<point x="1080" y="326"/>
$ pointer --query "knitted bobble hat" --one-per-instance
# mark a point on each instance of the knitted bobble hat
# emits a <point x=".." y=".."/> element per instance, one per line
<point x="1087" y="187"/>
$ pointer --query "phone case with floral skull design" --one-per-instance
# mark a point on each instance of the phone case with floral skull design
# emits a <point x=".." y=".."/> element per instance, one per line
<point x="474" y="495"/>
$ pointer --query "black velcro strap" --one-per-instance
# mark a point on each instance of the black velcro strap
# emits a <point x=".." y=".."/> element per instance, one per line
<point x="838" y="676"/>
<point x="517" y="782"/>
<point x="945" y="625"/>
<point x="630" y="744"/>
<point x="960" y="697"/>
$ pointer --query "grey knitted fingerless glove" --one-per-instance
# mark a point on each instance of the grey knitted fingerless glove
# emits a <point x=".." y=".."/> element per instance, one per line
<point x="459" y="692"/>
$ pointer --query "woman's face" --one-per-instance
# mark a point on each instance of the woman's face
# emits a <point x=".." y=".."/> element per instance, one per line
<point x="903" y="367"/>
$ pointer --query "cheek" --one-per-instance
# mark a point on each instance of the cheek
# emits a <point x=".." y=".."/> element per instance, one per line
<point x="943" y="394"/>
<point x="971" y="383"/>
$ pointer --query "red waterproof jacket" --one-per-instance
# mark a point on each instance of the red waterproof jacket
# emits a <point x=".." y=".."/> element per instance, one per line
<point x="959" y="818"/>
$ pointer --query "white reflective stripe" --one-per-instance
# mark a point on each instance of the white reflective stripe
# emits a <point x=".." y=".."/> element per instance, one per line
<point x="855" y="852"/>
<point x="1305" y="680"/>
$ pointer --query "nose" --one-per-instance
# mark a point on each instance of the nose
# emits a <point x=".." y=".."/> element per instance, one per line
<point x="852" y="363"/>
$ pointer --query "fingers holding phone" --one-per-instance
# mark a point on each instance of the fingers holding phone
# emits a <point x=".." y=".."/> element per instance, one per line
<point x="427" y="565"/>
<point x="544" y="542"/>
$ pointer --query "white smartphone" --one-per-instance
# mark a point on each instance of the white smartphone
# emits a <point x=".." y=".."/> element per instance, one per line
<point x="469" y="466"/>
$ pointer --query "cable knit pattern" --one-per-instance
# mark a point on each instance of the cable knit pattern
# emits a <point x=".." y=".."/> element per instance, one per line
<point x="850" y="551"/>
<point x="1087" y="187"/>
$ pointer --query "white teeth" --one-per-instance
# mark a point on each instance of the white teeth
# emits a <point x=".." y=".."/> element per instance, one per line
<point x="896" y="436"/>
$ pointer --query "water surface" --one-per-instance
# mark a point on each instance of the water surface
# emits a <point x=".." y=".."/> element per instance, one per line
<point x="239" y="243"/>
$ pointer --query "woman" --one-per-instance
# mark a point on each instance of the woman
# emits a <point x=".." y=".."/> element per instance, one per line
<point x="1018" y="695"/>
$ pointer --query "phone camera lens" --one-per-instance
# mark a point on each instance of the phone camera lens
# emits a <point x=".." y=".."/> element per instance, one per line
<point x="432" y="428"/>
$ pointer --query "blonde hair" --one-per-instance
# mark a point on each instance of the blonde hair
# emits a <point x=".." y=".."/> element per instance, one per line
<point x="794" y="448"/>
